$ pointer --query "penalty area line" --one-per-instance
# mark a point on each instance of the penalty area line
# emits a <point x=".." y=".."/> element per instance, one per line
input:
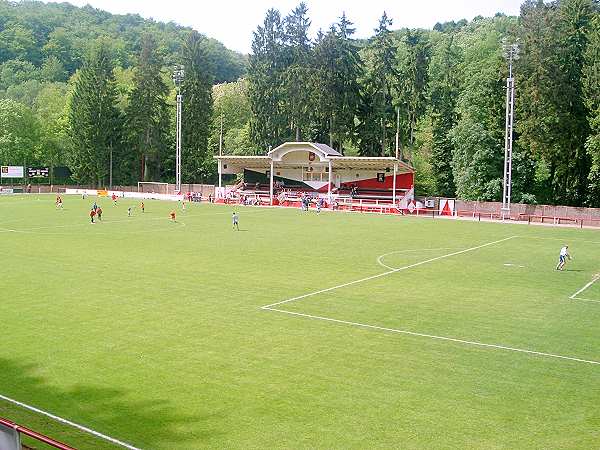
<point x="440" y="338"/>
<point x="391" y="271"/>
<point x="585" y="300"/>
<point x="583" y="289"/>
<point x="69" y="423"/>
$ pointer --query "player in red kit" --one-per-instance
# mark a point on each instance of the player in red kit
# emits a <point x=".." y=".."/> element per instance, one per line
<point x="92" y="215"/>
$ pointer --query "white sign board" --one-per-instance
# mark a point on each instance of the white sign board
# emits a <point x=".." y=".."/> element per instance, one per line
<point x="11" y="171"/>
<point x="9" y="438"/>
<point x="447" y="207"/>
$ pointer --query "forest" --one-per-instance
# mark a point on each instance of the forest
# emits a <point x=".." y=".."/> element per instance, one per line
<point x="92" y="91"/>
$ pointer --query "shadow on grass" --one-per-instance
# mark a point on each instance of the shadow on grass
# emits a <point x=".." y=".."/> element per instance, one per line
<point x="146" y="424"/>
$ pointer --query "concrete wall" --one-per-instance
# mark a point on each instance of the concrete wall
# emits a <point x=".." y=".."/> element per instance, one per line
<point x="530" y="210"/>
<point x="205" y="189"/>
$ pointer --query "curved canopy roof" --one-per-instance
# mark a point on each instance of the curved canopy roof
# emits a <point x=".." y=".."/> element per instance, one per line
<point x="323" y="152"/>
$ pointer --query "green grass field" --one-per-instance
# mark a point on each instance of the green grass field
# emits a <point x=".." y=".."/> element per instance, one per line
<point x="153" y="332"/>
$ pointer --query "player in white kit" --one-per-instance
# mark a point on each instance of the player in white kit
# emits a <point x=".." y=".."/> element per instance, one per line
<point x="562" y="258"/>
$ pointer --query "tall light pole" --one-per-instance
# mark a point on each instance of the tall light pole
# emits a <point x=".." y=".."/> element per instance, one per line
<point x="397" y="132"/>
<point x="178" y="75"/>
<point x="511" y="52"/>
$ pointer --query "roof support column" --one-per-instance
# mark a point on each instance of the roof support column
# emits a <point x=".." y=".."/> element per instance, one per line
<point x="394" y="184"/>
<point x="271" y="182"/>
<point x="220" y="173"/>
<point x="329" y="184"/>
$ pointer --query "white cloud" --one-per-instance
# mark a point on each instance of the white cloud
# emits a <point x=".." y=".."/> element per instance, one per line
<point x="232" y="22"/>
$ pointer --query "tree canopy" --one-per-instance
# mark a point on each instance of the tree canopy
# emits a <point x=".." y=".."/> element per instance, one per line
<point x="435" y="97"/>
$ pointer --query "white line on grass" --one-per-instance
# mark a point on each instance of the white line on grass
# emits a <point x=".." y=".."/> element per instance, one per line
<point x="575" y="295"/>
<point x="413" y="333"/>
<point x="442" y="338"/>
<point x="585" y="300"/>
<point x="585" y="287"/>
<point x="373" y="277"/>
<point x="561" y="239"/>
<point x="68" y="422"/>
<point x="382" y="257"/>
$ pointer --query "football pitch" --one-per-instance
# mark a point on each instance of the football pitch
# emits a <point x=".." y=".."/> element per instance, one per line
<point x="336" y="330"/>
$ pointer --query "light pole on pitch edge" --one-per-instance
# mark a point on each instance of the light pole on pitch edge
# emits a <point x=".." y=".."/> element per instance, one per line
<point x="511" y="52"/>
<point x="178" y="75"/>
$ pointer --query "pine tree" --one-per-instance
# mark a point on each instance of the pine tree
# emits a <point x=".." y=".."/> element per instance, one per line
<point x="478" y="137"/>
<point x="575" y="22"/>
<point x="444" y="91"/>
<point x="265" y="77"/>
<point x="337" y="94"/>
<point x="553" y="117"/>
<point x="349" y="71"/>
<point x="413" y="80"/>
<point x="299" y="75"/>
<point x="94" y="119"/>
<point x="376" y="112"/>
<point x="535" y="72"/>
<point x="196" y="162"/>
<point x="147" y="115"/>
<point x="591" y="89"/>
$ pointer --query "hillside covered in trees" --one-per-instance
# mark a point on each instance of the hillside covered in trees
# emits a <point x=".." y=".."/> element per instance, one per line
<point x="445" y="88"/>
<point x="48" y="50"/>
<point x="84" y="88"/>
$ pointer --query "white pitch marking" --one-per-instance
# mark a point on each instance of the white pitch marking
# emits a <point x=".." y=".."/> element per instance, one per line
<point x="442" y="338"/>
<point x="561" y="239"/>
<point x="410" y="266"/>
<point x="574" y="296"/>
<point x="382" y="257"/>
<point x="68" y="422"/>
<point x="585" y="300"/>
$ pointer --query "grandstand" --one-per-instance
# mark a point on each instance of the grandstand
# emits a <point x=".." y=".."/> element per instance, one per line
<point x="297" y="169"/>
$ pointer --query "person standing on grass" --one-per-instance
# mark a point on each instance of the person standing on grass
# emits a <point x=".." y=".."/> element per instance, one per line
<point x="92" y="215"/>
<point x="129" y="212"/>
<point x="172" y="216"/>
<point x="235" y="219"/>
<point x="142" y="206"/>
<point x="114" y="199"/>
<point x="562" y="257"/>
<point x="99" y="213"/>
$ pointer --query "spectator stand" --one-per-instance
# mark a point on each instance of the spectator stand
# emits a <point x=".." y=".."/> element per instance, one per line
<point x="305" y="168"/>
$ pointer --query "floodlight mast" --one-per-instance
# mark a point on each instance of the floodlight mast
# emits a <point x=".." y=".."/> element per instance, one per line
<point x="178" y="76"/>
<point x="511" y="52"/>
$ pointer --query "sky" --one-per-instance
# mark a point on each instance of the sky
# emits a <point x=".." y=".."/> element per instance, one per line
<point x="233" y="21"/>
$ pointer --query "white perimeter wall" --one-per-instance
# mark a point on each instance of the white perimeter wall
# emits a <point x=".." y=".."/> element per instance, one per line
<point x="122" y="194"/>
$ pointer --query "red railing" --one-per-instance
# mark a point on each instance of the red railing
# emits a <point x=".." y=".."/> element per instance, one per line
<point x="37" y="436"/>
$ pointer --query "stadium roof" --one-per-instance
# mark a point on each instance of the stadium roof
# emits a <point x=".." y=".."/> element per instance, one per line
<point x="252" y="162"/>
<point x="366" y="162"/>
<point x="325" y="154"/>
<point x="326" y="150"/>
